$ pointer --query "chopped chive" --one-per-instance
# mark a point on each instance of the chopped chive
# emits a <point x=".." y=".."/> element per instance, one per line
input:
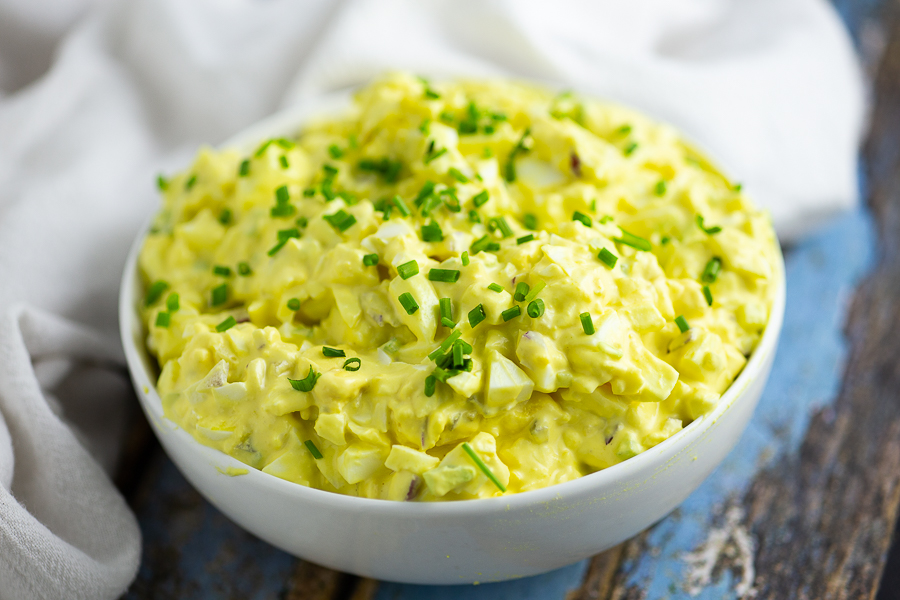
<point x="282" y="210"/>
<point x="660" y="188"/>
<point x="586" y="323"/>
<point x="608" y="258"/>
<point x="430" y="382"/>
<point x="335" y="151"/>
<point x="286" y="234"/>
<point x="535" y="291"/>
<point x="244" y="169"/>
<point x="630" y="148"/>
<point x="708" y="295"/>
<point x="309" y="192"/>
<point x="352" y="364"/>
<point x="521" y="291"/>
<point x="530" y="221"/>
<point x="711" y="271"/>
<point x="341" y="220"/>
<point x="161" y="183"/>
<point x="408" y="269"/>
<point x="451" y="201"/>
<point x="302" y="222"/>
<point x="155" y="290"/>
<point x="222" y="271"/>
<point x="262" y="148"/>
<point x="682" y="324"/>
<point x="429" y="204"/>
<point x="473" y="216"/>
<point x="465" y="258"/>
<point x="282" y="195"/>
<point x="511" y="313"/>
<point x="432" y="232"/>
<point x="447" y="323"/>
<point x="312" y="449"/>
<point x="477" y="315"/>
<point x="225" y="216"/>
<point x="466" y="346"/>
<point x="624" y="129"/>
<point x="594" y="205"/>
<point x="737" y="187"/>
<point x="443" y="275"/>
<point x="274" y="249"/>
<point x="219" y="295"/>
<point x="495" y="287"/>
<point x="525" y="239"/>
<point x="709" y="230"/>
<point x="370" y="260"/>
<point x="665" y="240"/>
<point x="430" y="156"/>
<point x="190" y="182"/>
<point x="285" y="143"/>
<point x="501" y="224"/>
<point x="484" y="468"/>
<point x="401" y="206"/>
<point x="446" y="308"/>
<point x="629" y="239"/>
<point x="284" y="161"/>
<point x="430" y="94"/>
<point x="333" y="352"/>
<point x="226" y="324"/>
<point x="457" y="175"/>
<point x="244" y="269"/>
<point x="162" y="319"/>
<point x="457" y="355"/>
<point x="330" y="172"/>
<point x="480" y="198"/>
<point x="307" y="383"/>
<point x="509" y="172"/>
<point x="580" y="216"/>
<point x="449" y="341"/>
<point x="172" y="302"/>
<point x="535" y="308"/>
<point x="294" y="304"/>
<point x="426" y="190"/>
<point x="408" y="303"/>
<point x="424" y="127"/>
<point x="605" y="219"/>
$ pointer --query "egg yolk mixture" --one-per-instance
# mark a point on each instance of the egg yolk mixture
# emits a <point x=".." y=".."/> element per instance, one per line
<point x="452" y="291"/>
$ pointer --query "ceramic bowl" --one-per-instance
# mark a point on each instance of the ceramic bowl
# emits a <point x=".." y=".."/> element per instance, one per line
<point x="448" y="542"/>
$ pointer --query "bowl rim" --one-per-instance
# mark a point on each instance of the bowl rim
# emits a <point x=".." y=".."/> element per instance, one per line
<point x="289" y="121"/>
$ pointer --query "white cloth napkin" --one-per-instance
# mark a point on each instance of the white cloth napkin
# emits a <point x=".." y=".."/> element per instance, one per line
<point x="95" y="97"/>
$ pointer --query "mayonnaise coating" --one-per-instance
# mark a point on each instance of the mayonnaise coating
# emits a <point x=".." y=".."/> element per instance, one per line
<point x="557" y="282"/>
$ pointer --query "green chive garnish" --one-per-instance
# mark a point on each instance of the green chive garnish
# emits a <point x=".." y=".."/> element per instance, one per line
<point x="473" y="216"/>
<point x="495" y="287"/>
<point x="225" y="216"/>
<point x="432" y="232"/>
<point x="484" y="468"/>
<point x="408" y="303"/>
<point x="629" y="239"/>
<point x="282" y="195"/>
<point x="535" y="291"/>
<point x="443" y="275"/>
<point x="535" y="308"/>
<point x="219" y="295"/>
<point x="302" y="222"/>
<point x="511" y="313"/>
<point x="477" y="315"/>
<point x="480" y="198"/>
<point x="335" y="151"/>
<point x="370" y="260"/>
<point x="312" y="448"/>
<point x="172" y="302"/>
<point x="341" y="220"/>
<point x="161" y="183"/>
<point x="408" y="269"/>
<point x="244" y="169"/>
<point x="155" y="290"/>
<point x="284" y="161"/>
<point x="586" y="323"/>
<point x="447" y="323"/>
<point x="430" y="156"/>
<point x="430" y="383"/>
<point x="708" y="295"/>
<point x="190" y="182"/>
<point x="282" y="210"/>
<point x="711" y="271"/>
<point x="501" y="224"/>
<point x="286" y="234"/>
<point x="509" y="171"/>
<point x="274" y="249"/>
<point x="682" y="324"/>
<point x="608" y="258"/>
<point x="580" y="216"/>
<point x="352" y="364"/>
<point x="162" y="319"/>
<point x="525" y="239"/>
<point x="333" y="352"/>
<point x="226" y="324"/>
<point x="530" y="221"/>
<point x="522" y="289"/>
<point x="222" y="271"/>
<point x="244" y="269"/>
<point x="401" y="206"/>
<point x="660" y="188"/>
<point x="294" y="304"/>
<point x="465" y="258"/>
<point x="709" y="230"/>
<point x="457" y="175"/>
<point x="307" y="383"/>
<point x="446" y="306"/>
<point x="285" y="143"/>
<point x="630" y="148"/>
<point x="605" y="219"/>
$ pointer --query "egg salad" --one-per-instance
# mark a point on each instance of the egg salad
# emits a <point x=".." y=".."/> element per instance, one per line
<point x="452" y="290"/>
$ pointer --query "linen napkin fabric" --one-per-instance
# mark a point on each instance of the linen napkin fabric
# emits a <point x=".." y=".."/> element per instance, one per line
<point x="97" y="96"/>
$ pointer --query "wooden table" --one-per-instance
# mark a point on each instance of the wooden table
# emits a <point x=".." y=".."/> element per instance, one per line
<point x="804" y="507"/>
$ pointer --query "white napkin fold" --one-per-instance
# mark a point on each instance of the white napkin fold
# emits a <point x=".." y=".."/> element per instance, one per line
<point x="769" y="87"/>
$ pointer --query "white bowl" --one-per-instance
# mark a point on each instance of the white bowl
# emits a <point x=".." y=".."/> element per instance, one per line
<point x="448" y="542"/>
